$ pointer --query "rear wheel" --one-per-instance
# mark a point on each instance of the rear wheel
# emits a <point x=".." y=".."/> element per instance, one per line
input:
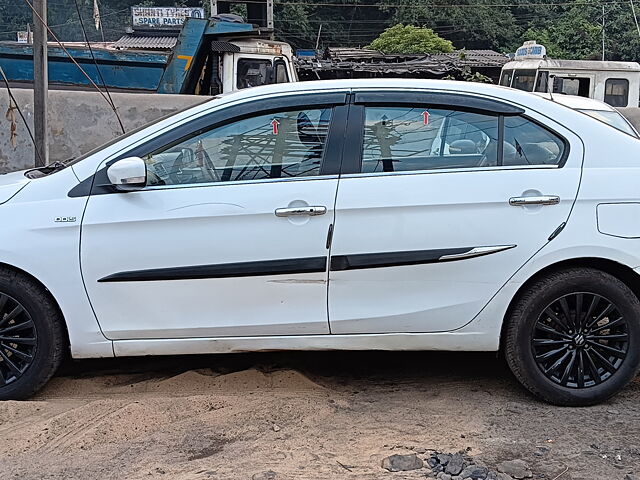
<point x="32" y="341"/>
<point x="573" y="337"/>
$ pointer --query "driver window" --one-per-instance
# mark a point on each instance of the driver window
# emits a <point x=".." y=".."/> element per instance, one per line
<point x="253" y="72"/>
<point x="277" y="145"/>
<point x="403" y="138"/>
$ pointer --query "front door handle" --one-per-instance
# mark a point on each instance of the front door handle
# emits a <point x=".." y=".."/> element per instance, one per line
<point x="300" y="211"/>
<point x="537" y="200"/>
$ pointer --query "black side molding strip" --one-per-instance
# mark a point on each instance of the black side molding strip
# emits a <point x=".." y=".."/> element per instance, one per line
<point x="224" y="270"/>
<point x="415" y="257"/>
<point x="304" y="265"/>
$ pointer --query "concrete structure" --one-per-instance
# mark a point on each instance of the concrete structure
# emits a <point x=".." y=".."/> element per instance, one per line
<point x="79" y="121"/>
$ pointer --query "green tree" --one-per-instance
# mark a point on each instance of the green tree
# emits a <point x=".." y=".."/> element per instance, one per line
<point x="471" y="24"/>
<point x="574" y="34"/>
<point x="409" y="39"/>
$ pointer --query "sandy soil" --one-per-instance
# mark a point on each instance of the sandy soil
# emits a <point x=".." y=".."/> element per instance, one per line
<point x="304" y="415"/>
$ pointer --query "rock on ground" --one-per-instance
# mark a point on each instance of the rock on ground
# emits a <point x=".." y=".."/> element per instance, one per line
<point x="517" y="469"/>
<point x="402" y="463"/>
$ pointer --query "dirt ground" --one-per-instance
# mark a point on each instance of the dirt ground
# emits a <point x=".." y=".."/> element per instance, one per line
<point x="325" y="415"/>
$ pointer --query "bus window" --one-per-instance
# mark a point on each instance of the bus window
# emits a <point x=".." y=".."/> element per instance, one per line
<point x="505" y="78"/>
<point x="542" y="83"/>
<point x="524" y="79"/>
<point x="616" y="92"/>
<point x="572" y="86"/>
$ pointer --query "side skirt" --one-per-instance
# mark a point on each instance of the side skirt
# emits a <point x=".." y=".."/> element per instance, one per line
<point x="451" y="341"/>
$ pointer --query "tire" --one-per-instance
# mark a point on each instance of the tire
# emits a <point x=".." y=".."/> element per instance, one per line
<point x="32" y="337"/>
<point x="554" y="319"/>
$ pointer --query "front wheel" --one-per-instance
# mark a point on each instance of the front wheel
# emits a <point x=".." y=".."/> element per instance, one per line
<point x="32" y="340"/>
<point x="573" y="337"/>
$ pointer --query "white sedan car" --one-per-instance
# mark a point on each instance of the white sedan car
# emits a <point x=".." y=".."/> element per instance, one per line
<point x="382" y="214"/>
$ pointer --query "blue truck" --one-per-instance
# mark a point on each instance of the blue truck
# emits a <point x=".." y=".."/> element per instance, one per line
<point x="205" y="57"/>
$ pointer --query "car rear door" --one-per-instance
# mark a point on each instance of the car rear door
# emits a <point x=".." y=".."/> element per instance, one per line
<point x="229" y="236"/>
<point x="443" y="197"/>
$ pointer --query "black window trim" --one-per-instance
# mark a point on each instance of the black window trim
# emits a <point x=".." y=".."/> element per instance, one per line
<point x="463" y="101"/>
<point x="352" y="162"/>
<point x="98" y="184"/>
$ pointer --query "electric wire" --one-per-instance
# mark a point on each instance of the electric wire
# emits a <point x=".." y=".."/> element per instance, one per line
<point x="95" y="62"/>
<point x="71" y="57"/>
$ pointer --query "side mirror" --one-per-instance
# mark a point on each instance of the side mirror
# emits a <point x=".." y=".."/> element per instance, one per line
<point x="128" y="174"/>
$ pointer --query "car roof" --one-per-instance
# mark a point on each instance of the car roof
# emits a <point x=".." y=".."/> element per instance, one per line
<point x="578" y="103"/>
<point x="492" y="90"/>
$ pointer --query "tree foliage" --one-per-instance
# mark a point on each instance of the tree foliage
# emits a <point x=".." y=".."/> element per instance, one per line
<point x="409" y="39"/>
<point x="573" y="35"/>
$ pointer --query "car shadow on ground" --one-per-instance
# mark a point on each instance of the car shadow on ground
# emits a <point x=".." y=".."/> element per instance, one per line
<point x="380" y="367"/>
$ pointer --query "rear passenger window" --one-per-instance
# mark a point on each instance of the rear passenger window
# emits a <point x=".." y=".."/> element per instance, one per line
<point x="400" y="139"/>
<point x="527" y="143"/>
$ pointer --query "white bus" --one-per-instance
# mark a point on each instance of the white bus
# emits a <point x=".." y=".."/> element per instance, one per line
<point x="615" y="83"/>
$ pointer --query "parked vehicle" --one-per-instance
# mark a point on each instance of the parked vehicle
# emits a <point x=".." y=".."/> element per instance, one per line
<point x="206" y="57"/>
<point x="319" y="215"/>
<point x="615" y="83"/>
<point x="596" y="109"/>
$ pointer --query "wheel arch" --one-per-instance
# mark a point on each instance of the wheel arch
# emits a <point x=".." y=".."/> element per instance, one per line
<point x="622" y="272"/>
<point x="20" y="271"/>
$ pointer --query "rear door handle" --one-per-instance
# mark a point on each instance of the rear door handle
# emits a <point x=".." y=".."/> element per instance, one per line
<point x="537" y="200"/>
<point x="301" y="211"/>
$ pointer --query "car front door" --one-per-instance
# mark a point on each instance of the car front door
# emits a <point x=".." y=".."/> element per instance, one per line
<point x="442" y="198"/>
<point x="228" y="238"/>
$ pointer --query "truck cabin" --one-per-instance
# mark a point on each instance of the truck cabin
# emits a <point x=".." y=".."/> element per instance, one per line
<point x="217" y="56"/>
<point x="258" y="62"/>
<point x="615" y="83"/>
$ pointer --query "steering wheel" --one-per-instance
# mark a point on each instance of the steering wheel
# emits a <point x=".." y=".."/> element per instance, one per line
<point x="175" y="173"/>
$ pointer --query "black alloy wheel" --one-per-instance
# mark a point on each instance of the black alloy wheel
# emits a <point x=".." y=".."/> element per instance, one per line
<point x="580" y="340"/>
<point x="18" y="340"/>
<point x="572" y="337"/>
<point x="33" y="339"/>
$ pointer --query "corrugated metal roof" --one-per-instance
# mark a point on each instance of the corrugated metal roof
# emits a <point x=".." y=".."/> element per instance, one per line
<point x="337" y="62"/>
<point x="146" y="43"/>
<point x="470" y="57"/>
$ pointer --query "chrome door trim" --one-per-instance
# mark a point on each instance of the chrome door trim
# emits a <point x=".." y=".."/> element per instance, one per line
<point x="476" y="252"/>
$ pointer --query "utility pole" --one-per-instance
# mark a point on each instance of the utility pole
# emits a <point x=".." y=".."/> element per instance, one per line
<point x="270" y="15"/>
<point x="318" y="38"/>
<point x="603" y="32"/>
<point x="635" y="17"/>
<point x="40" y="83"/>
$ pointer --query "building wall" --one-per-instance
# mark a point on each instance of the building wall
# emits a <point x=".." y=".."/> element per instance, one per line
<point x="79" y="121"/>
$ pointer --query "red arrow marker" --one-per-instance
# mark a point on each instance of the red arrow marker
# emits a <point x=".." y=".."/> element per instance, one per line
<point x="425" y="117"/>
<point x="274" y="124"/>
